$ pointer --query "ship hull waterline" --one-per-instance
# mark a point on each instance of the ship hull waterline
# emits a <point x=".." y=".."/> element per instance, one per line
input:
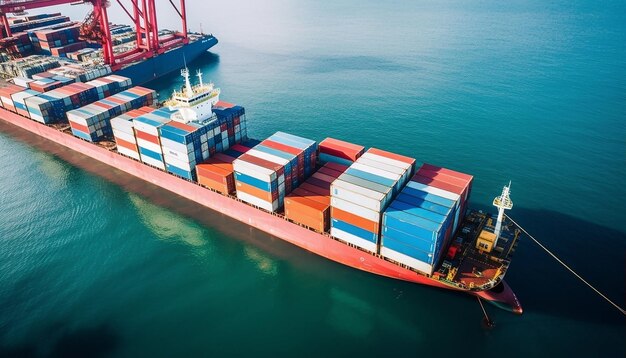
<point x="272" y="224"/>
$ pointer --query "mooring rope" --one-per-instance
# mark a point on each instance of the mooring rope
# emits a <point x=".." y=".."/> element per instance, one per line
<point x="622" y="311"/>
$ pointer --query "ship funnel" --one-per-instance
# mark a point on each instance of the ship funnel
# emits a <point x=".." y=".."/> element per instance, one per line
<point x="502" y="202"/>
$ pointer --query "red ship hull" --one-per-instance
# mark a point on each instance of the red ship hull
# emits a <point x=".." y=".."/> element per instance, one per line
<point x="275" y="225"/>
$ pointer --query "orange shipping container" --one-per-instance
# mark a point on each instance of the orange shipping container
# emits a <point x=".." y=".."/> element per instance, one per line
<point x="256" y="192"/>
<point x="216" y="173"/>
<point x="322" y="199"/>
<point x="355" y="220"/>
<point x="318" y="224"/>
<point x="209" y="183"/>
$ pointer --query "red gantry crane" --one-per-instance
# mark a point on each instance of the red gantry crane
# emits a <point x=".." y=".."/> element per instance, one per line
<point x="142" y="13"/>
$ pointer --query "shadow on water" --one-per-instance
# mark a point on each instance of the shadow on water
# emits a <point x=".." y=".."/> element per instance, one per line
<point x="595" y="252"/>
<point x="99" y="341"/>
<point x="541" y="284"/>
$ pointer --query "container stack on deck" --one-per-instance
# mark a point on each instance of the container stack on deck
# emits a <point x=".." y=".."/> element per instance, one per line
<point x="5" y="96"/>
<point x="28" y="66"/>
<point x="148" y="136"/>
<point x="184" y="145"/>
<point x="51" y="107"/>
<point x="309" y="204"/>
<point x="420" y="223"/>
<point x="92" y="122"/>
<point x="361" y="194"/>
<point x="217" y="172"/>
<point x="124" y="131"/>
<point x="261" y="174"/>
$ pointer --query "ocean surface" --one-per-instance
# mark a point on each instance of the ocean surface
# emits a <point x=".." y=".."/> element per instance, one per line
<point x="96" y="264"/>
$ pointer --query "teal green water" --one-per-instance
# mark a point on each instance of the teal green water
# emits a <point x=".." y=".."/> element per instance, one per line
<point x="93" y="263"/>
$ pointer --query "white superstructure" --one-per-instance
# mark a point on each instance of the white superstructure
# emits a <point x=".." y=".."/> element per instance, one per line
<point x="194" y="103"/>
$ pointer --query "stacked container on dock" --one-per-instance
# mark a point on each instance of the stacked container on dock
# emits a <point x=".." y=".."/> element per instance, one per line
<point x="309" y="204"/>
<point x="217" y="173"/>
<point x="28" y="66"/>
<point x="124" y="132"/>
<point x="360" y="195"/>
<point x="148" y="136"/>
<point x="338" y="151"/>
<point x="420" y="223"/>
<point x="92" y="122"/>
<point x="47" y="39"/>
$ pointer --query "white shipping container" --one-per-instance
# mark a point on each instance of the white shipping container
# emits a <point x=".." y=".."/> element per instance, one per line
<point x="253" y="170"/>
<point x="273" y="206"/>
<point x="181" y="164"/>
<point x="269" y="157"/>
<point x="147" y="128"/>
<point x="336" y="191"/>
<point x="369" y="193"/>
<point x="124" y="136"/>
<point x="355" y="209"/>
<point x="355" y="240"/>
<point x="380" y="158"/>
<point x="122" y="124"/>
<point x="128" y="152"/>
<point x="407" y="260"/>
<point x="403" y="172"/>
<point x="376" y="171"/>
<point x="175" y="146"/>
<point x="149" y="145"/>
<point x="156" y="163"/>
<point x="435" y="191"/>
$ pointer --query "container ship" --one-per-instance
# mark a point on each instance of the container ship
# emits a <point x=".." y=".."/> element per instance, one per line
<point x="366" y="208"/>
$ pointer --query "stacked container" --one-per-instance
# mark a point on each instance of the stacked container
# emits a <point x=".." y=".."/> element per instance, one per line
<point x="92" y="122"/>
<point x="260" y="181"/>
<point x="217" y="173"/>
<point x="304" y="149"/>
<point x="19" y="98"/>
<point x="309" y="204"/>
<point x="124" y="132"/>
<point x="361" y="194"/>
<point x="5" y="96"/>
<point x="338" y="151"/>
<point x="184" y="145"/>
<point x="231" y="119"/>
<point x="55" y="37"/>
<point x="419" y="224"/>
<point x="51" y="107"/>
<point x="148" y="136"/>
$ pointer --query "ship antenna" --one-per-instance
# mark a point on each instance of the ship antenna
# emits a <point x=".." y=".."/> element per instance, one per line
<point x="185" y="74"/>
<point x="199" y="74"/>
<point x="502" y="202"/>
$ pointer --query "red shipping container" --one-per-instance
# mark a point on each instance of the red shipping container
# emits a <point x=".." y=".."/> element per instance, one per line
<point x="336" y="166"/>
<point x="341" y="149"/>
<point x="319" y="183"/>
<point x="324" y="177"/>
<point x="224" y="158"/>
<point x="147" y="137"/>
<point x="314" y="189"/>
<point x="79" y="127"/>
<point x="329" y="172"/>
